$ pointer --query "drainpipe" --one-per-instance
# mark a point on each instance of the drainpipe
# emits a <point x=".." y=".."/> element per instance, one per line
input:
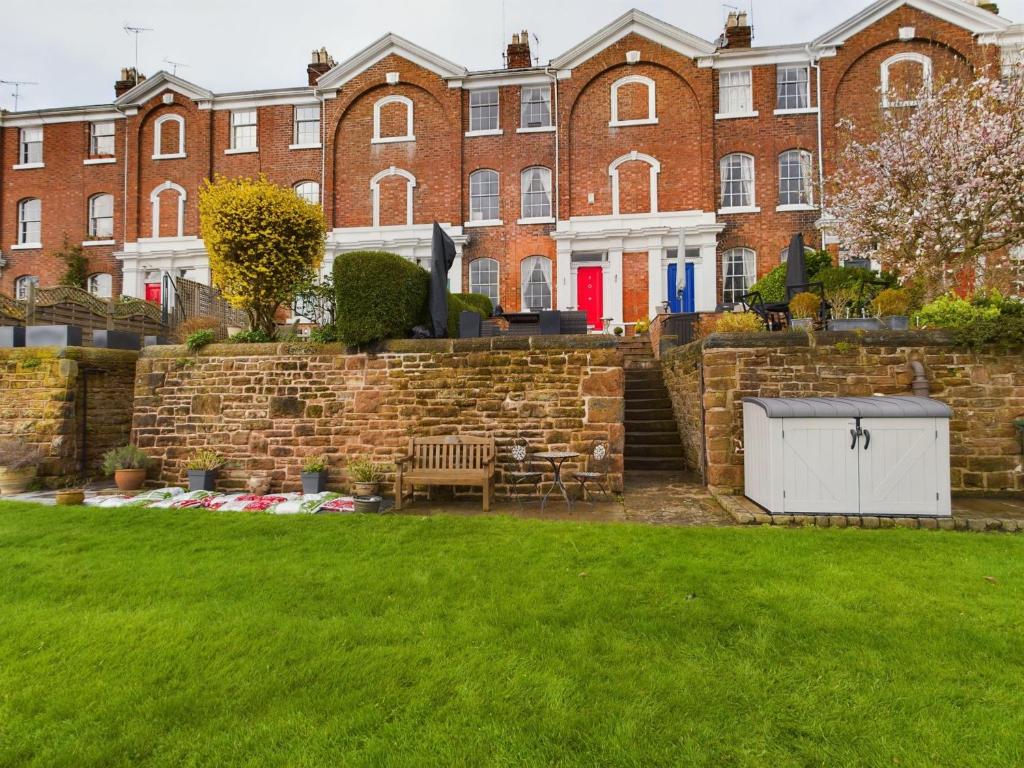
<point x="553" y="74"/>
<point x="815" y="63"/>
<point x="124" y="201"/>
<point x="919" y="386"/>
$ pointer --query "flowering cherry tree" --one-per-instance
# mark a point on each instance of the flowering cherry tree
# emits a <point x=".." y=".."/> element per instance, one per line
<point x="939" y="188"/>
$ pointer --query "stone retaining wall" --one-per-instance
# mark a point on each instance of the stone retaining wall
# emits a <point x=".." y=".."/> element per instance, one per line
<point x="984" y="388"/>
<point x="60" y="399"/>
<point x="267" y="407"/>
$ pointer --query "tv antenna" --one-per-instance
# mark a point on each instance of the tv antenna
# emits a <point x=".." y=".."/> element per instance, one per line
<point x="174" y="65"/>
<point x="16" y="93"/>
<point x="536" y="59"/>
<point x="132" y="30"/>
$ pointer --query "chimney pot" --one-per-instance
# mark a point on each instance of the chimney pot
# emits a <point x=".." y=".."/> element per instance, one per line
<point x="320" y="63"/>
<point x="738" y="33"/>
<point x="517" y="55"/>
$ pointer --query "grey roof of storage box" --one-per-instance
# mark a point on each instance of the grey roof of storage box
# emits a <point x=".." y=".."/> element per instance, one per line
<point x="851" y="407"/>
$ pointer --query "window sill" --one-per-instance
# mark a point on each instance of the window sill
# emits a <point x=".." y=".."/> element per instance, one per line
<point x="27" y="166"/>
<point x="241" y="150"/>
<point x="740" y="209"/>
<point x="801" y="111"/>
<point x="393" y="140"/>
<point x="627" y="123"/>
<point x="26" y="246"/>
<point x="488" y="132"/>
<point x="99" y="160"/>
<point x="796" y="207"/>
<point x="306" y="146"/>
<point x="537" y="220"/>
<point x="174" y="156"/>
<point x="91" y="243"/>
<point x="540" y="129"/>
<point x="736" y="115"/>
<point x="484" y="223"/>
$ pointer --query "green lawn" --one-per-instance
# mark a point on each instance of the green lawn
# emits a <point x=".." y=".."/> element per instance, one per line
<point x="196" y="638"/>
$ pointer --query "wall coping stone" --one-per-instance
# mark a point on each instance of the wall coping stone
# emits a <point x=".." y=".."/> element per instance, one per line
<point x="935" y="337"/>
<point x="96" y="355"/>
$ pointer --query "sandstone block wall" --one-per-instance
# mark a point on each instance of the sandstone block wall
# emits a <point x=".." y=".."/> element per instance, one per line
<point x="268" y="407"/>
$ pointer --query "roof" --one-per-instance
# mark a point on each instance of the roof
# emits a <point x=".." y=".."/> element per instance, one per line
<point x="385" y="46"/>
<point x="851" y="407"/>
<point x="959" y="12"/>
<point x="163" y="80"/>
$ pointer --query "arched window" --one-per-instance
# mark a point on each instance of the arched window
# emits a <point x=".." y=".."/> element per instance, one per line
<point x="737" y="181"/>
<point x="535" y="184"/>
<point x="483" y="196"/>
<point x="375" y="192"/>
<point x="650" y="113"/>
<point x="158" y="128"/>
<point x="308" y="191"/>
<point x="613" y="171"/>
<point x="483" y="278"/>
<point x="795" y="178"/>
<point x="739" y="271"/>
<point x="154" y="202"/>
<point x="30" y="217"/>
<point x="101" y="216"/>
<point x="21" y="286"/>
<point x="784" y="254"/>
<point x="536" y="282"/>
<point x="378" y="137"/>
<point x="101" y="285"/>
<point x="904" y="76"/>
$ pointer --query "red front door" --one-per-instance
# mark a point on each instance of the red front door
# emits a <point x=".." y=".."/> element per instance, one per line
<point x="590" y="294"/>
<point x="153" y="292"/>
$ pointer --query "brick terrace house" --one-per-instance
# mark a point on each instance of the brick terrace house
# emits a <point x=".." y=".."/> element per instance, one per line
<point x="570" y="185"/>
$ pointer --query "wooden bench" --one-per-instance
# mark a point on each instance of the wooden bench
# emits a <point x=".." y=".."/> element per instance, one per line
<point x="446" y="460"/>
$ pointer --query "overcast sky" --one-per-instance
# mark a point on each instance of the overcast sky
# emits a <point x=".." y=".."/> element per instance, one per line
<point x="75" y="48"/>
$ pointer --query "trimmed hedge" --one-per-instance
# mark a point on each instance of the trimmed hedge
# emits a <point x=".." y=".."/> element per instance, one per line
<point x="379" y="296"/>
<point x="479" y="303"/>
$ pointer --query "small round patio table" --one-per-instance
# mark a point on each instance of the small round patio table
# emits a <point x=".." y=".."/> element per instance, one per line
<point x="556" y="459"/>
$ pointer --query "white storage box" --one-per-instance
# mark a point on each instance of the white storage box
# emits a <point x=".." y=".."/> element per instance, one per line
<point x="847" y="455"/>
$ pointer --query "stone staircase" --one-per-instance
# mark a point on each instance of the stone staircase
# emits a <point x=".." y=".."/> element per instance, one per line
<point x="652" y="438"/>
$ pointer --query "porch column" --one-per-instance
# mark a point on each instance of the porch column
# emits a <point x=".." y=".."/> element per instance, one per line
<point x="455" y="273"/>
<point x="706" y="297"/>
<point x="655" y="285"/>
<point x="563" y="274"/>
<point x="613" y="286"/>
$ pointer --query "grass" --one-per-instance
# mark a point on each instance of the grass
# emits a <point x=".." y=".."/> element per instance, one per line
<point x="162" y="638"/>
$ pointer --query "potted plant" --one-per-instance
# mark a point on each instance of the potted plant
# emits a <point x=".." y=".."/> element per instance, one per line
<point x="641" y="327"/>
<point x="314" y="474"/>
<point x="202" y="467"/>
<point x="365" y="475"/>
<point x="18" y="466"/>
<point x="366" y="504"/>
<point x="843" y="300"/>
<point x="71" y="494"/>
<point x="892" y="308"/>
<point x="128" y="466"/>
<point x="803" y="308"/>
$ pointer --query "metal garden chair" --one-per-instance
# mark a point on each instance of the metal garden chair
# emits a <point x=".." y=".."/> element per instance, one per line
<point x="596" y="473"/>
<point x="524" y="474"/>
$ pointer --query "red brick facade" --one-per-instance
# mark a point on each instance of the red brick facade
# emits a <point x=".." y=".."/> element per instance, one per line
<point x="628" y="168"/>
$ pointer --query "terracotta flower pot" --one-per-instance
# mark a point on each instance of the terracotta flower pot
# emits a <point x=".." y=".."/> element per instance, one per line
<point x="15" y="480"/>
<point x="70" y="497"/>
<point x="129" y="479"/>
<point x="365" y="489"/>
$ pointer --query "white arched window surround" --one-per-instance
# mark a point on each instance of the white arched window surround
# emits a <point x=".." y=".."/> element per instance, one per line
<point x="158" y="130"/>
<point x="926" y="76"/>
<point x="154" y="201"/>
<point x="308" y="191"/>
<point x="393" y="99"/>
<point x="652" y="116"/>
<point x="613" y="171"/>
<point x="375" y="192"/>
<point x="101" y="284"/>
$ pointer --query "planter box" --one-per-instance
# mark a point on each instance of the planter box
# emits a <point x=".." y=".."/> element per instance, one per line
<point x="53" y="336"/>
<point x="152" y="341"/>
<point x="12" y="336"/>
<point x="202" y="479"/>
<point x="314" y="482"/>
<point x="116" y="340"/>
<point x="855" y="324"/>
<point x="367" y="503"/>
<point x="801" y="324"/>
<point x="896" y="322"/>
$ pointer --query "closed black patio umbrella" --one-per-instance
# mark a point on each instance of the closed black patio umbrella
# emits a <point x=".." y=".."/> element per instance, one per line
<point x="442" y="256"/>
<point x="796" y="267"/>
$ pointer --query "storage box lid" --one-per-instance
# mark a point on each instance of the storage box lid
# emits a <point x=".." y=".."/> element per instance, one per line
<point x="851" y="407"/>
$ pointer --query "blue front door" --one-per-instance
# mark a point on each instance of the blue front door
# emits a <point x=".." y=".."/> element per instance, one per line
<point x="677" y="303"/>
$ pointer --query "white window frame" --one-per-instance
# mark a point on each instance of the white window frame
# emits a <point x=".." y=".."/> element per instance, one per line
<point x="749" y="260"/>
<point x="94" y="284"/>
<point x="393" y="99"/>
<point x="154" y="203"/>
<point x="526" y="267"/>
<point x="241" y="149"/>
<point x="375" y="192"/>
<point x="725" y="105"/>
<point x="21" y="286"/>
<point x="523" y="102"/>
<point x="492" y="131"/>
<point x="24" y="232"/>
<point x="779" y="82"/>
<point x="298" y="186"/>
<point x="532" y="216"/>
<point x="489" y="288"/>
<point x="748" y="206"/>
<point x="94" y="138"/>
<point x="157" y="131"/>
<point x="27" y="137"/>
<point x="926" y="77"/>
<point x="652" y="115"/>
<point x="805" y="162"/>
<point x="613" y="172"/>
<point x="296" y="122"/>
<point x="476" y="218"/>
<point x="94" y="235"/>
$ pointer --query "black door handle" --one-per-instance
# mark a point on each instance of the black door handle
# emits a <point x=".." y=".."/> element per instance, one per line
<point x="867" y="439"/>
<point x="854" y="434"/>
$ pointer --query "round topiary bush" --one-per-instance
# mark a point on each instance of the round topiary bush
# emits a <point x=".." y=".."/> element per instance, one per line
<point x="479" y="303"/>
<point x="379" y="296"/>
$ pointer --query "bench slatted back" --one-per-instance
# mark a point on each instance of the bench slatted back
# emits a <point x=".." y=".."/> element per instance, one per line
<point x="451" y="452"/>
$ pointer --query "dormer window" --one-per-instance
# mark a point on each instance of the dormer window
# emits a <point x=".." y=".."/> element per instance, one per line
<point x="393" y="120"/>
<point x="904" y="77"/>
<point x="535" y="108"/>
<point x="633" y="101"/>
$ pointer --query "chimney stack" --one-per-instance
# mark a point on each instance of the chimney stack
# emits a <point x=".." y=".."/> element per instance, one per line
<point x="319" y="64"/>
<point x="738" y="33"/>
<point x="517" y="56"/>
<point x="127" y="81"/>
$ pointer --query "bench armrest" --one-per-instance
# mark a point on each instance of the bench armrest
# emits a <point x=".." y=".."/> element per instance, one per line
<point x="403" y="460"/>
